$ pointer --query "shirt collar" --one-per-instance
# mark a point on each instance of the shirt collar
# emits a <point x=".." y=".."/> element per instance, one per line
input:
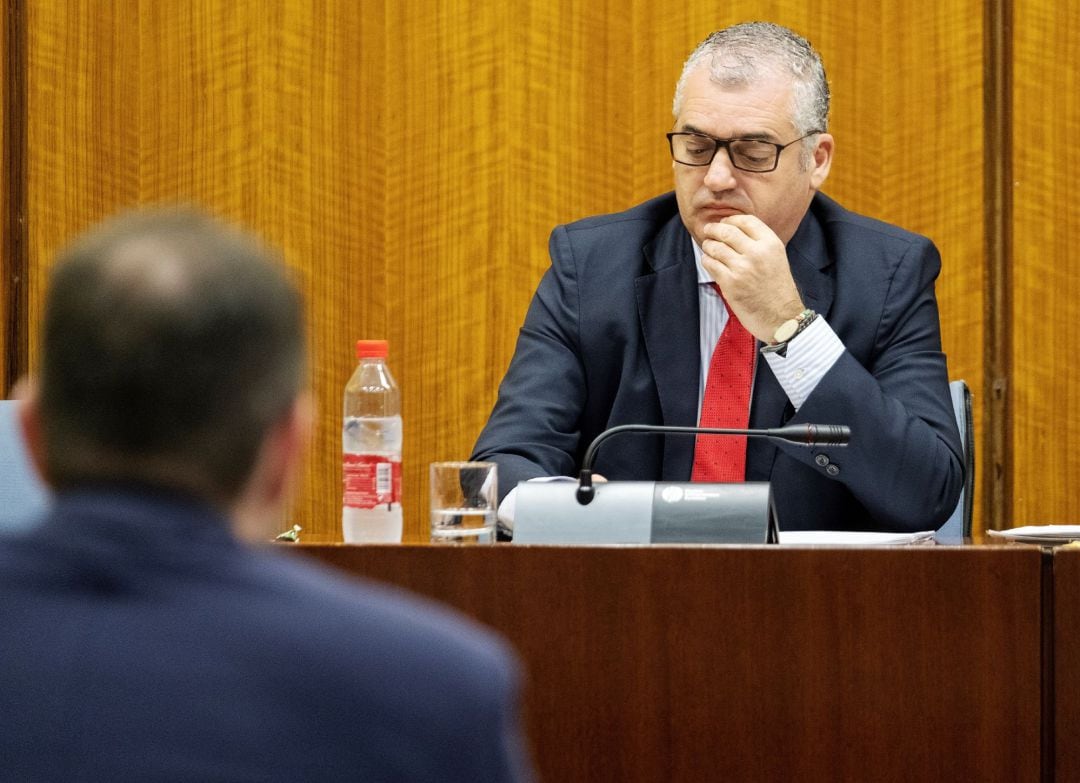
<point x="702" y="275"/>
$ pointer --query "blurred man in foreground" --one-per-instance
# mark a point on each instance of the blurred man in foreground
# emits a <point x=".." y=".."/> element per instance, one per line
<point x="141" y="638"/>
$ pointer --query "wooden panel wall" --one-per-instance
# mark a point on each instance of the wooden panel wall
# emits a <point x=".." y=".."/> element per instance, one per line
<point x="1045" y="281"/>
<point x="411" y="159"/>
<point x="8" y="315"/>
<point x="9" y="309"/>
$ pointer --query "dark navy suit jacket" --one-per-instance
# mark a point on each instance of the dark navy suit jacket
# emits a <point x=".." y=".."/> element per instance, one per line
<point x="611" y="338"/>
<point x="139" y="641"/>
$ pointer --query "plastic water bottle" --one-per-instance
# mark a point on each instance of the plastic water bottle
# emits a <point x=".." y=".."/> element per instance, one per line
<point x="371" y="450"/>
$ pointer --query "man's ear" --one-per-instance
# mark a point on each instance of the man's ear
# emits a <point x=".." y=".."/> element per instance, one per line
<point x="822" y="160"/>
<point x="269" y="487"/>
<point x="287" y="445"/>
<point x="26" y="396"/>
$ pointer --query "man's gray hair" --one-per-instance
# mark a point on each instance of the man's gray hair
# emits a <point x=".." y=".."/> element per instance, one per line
<point x="740" y="55"/>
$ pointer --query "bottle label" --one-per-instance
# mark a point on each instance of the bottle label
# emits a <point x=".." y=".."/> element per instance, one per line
<point x="371" y="480"/>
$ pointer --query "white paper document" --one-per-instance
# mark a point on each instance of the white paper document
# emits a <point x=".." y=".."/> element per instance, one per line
<point x="857" y="538"/>
<point x="1040" y="534"/>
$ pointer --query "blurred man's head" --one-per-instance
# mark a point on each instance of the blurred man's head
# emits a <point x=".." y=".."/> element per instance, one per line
<point x="173" y="346"/>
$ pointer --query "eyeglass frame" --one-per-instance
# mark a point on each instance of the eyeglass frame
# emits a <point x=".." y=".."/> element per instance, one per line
<point x="725" y="144"/>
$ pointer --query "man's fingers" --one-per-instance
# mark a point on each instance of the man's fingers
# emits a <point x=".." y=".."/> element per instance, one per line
<point x="720" y="250"/>
<point x="718" y="271"/>
<point x="749" y="225"/>
<point x="737" y="237"/>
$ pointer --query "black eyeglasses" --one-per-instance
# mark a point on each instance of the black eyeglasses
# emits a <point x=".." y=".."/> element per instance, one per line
<point x="698" y="149"/>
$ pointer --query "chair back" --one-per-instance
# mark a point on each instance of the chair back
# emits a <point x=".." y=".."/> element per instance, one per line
<point x="959" y="524"/>
<point x="23" y="496"/>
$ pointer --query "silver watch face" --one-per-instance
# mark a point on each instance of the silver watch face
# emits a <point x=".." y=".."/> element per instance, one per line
<point x="786" y="331"/>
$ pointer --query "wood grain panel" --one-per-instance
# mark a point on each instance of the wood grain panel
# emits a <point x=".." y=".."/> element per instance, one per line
<point x="269" y="114"/>
<point x="9" y="314"/>
<point x="412" y="158"/>
<point x="688" y="664"/>
<point x="273" y="114"/>
<point x="83" y="137"/>
<point x="1046" y="229"/>
<point x="14" y="294"/>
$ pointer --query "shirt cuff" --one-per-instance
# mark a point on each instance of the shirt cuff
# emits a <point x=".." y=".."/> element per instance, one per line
<point x="508" y="507"/>
<point x="810" y="355"/>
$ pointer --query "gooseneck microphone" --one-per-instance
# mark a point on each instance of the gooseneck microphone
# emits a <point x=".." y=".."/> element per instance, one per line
<point x="803" y="434"/>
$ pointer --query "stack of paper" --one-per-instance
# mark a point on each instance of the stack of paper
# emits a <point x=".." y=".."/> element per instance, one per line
<point x="1047" y="535"/>
<point x="859" y="538"/>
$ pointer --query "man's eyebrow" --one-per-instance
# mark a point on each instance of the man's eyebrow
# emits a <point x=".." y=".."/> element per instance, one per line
<point x="686" y="128"/>
<point x="758" y="137"/>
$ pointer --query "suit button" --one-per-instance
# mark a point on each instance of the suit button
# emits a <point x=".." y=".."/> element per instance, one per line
<point x="833" y="470"/>
<point x="821" y="460"/>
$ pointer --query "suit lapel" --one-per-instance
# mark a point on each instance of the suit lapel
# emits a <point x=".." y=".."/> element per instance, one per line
<point x="810" y="267"/>
<point x="667" y="305"/>
<point x="808" y="254"/>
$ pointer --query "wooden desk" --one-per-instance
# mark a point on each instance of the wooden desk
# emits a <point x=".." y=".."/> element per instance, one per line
<point x="1066" y="664"/>
<point x="756" y="663"/>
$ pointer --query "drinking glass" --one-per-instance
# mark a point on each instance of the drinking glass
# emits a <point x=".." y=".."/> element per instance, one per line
<point x="464" y="502"/>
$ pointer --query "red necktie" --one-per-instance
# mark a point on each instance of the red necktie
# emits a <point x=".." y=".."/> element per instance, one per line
<point x="726" y="403"/>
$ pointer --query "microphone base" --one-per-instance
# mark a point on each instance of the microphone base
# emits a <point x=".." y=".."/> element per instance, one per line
<point x="645" y="512"/>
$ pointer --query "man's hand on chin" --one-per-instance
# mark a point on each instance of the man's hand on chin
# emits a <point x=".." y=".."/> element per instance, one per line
<point x="749" y="262"/>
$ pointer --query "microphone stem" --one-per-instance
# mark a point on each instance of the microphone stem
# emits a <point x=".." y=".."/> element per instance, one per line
<point x="804" y="434"/>
<point x="590" y="453"/>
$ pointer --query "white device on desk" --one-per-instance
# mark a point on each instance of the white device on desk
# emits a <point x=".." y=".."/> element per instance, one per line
<point x="645" y="512"/>
<point x="653" y="512"/>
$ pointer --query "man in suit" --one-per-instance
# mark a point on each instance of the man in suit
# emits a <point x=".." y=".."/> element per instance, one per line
<point x="833" y="315"/>
<point x="142" y="638"/>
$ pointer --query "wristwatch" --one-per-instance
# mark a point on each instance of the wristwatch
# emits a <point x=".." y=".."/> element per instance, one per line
<point x="787" y="331"/>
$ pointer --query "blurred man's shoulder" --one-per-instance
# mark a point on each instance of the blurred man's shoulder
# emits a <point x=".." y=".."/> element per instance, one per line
<point x="372" y="613"/>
